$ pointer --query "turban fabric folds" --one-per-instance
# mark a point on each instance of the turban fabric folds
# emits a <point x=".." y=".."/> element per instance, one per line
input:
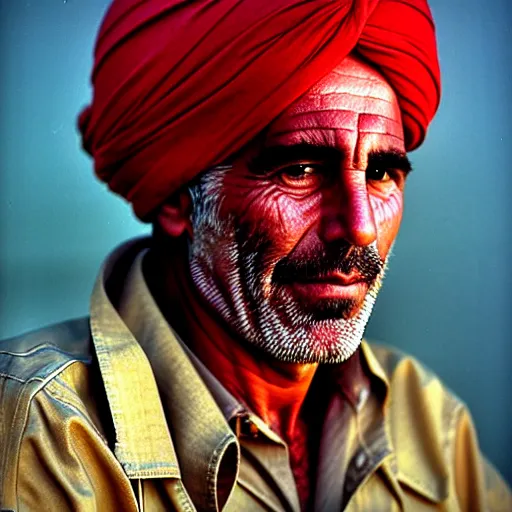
<point x="180" y="85"/>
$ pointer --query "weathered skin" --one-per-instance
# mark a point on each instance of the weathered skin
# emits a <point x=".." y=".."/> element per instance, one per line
<point x="291" y="212"/>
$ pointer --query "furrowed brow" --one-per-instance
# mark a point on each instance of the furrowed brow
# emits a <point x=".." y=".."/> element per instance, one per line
<point x="276" y="156"/>
<point x="390" y="160"/>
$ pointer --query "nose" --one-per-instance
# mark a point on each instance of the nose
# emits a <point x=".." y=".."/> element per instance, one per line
<point x="347" y="213"/>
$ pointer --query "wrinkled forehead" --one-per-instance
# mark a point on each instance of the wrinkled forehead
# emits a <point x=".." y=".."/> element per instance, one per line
<point x="352" y="97"/>
<point x="354" y="76"/>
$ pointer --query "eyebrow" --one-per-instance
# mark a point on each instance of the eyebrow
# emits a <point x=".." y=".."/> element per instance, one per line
<point x="275" y="156"/>
<point x="390" y="159"/>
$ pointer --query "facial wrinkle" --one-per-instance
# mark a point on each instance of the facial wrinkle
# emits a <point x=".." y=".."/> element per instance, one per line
<point x="330" y="102"/>
<point x="318" y="120"/>
<point x="289" y="212"/>
<point x="262" y="196"/>
<point x="274" y="323"/>
<point x="343" y="116"/>
<point x="363" y="86"/>
<point x="315" y="135"/>
<point x="379" y="125"/>
<point x="387" y="208"/>
<point x="244" y="241"/>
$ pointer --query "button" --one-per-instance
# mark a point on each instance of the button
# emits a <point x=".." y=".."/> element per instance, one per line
<point x="362" y="397"/>
<point x="248" y="428"/>
<point x="360" y="460"/>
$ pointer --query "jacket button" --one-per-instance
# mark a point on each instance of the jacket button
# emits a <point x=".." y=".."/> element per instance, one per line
<point x="360" y="460"/>
<point x="248" y="428"/>
<point x="362" y="397"/>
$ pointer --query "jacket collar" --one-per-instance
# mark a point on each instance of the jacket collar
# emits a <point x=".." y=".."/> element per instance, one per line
<point x="146" y="450"/>
<point x="411" y="463"/>
<point x="138" y="351"/>
<point x="147" y="351"/>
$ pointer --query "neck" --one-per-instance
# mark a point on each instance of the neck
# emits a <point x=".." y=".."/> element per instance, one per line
<point x="273" y="390"/>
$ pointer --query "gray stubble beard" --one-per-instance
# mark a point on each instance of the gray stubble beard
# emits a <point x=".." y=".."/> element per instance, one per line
<point x="283" y="331"/>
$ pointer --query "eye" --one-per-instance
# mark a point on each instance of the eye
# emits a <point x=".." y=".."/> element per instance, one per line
<point x="301" y="176"/>
<point x="377" y="174"/>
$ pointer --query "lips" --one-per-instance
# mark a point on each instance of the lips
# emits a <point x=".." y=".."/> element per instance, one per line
<point x="335" y="278"/>
<point x="332" y="286"/>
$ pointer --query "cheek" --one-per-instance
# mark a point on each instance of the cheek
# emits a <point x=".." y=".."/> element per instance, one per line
<point x="387" y="212"/>
<point x="265" y="210"/>
<point x="295" y="215"/>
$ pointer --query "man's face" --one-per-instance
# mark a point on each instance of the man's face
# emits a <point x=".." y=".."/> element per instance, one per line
<point x="290" y="241"/>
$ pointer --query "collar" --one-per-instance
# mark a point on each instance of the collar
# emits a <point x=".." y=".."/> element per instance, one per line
<point x="410" y="462"/>
<point x="143" y="444"/>
<point x="137" y="351"/>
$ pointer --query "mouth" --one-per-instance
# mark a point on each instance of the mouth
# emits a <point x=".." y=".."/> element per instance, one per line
<point x="335" y="285"/>
<point x="335" y="279"/>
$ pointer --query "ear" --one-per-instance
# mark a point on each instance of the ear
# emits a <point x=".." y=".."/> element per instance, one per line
<point x="174" y="216"/>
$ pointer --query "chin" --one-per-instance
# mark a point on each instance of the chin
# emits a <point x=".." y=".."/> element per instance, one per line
<point x="333" y="309"/>
<point x="309" y="331"/>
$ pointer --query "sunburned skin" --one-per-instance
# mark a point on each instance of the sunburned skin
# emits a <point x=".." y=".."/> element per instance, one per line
<point x="386" y="210"/>
<point x="288" y="245"/>
<point x="320" y="181"/>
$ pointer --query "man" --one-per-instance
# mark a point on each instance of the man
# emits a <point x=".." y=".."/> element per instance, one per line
<point x="222" y="366"/>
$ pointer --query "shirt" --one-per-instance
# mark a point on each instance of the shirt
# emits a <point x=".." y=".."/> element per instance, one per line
<point x="113" y="412"/>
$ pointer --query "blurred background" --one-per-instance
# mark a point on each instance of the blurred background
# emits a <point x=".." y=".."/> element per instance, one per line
<point x="448" y="295"/>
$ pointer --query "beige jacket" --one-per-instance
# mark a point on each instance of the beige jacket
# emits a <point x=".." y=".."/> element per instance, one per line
<point x="112" y="413"/>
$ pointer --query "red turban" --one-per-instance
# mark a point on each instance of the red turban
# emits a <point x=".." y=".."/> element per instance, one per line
<point x="180" y="85"/>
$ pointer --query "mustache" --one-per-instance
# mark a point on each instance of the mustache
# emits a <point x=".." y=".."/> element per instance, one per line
<point x="320" y="261"/>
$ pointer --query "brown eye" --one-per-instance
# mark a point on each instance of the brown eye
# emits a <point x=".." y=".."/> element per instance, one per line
<point x="301" y="176"/>
<point x="377" y="174"/>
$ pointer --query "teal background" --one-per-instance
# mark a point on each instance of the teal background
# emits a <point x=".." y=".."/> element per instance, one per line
<point x="447" y="298"/>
